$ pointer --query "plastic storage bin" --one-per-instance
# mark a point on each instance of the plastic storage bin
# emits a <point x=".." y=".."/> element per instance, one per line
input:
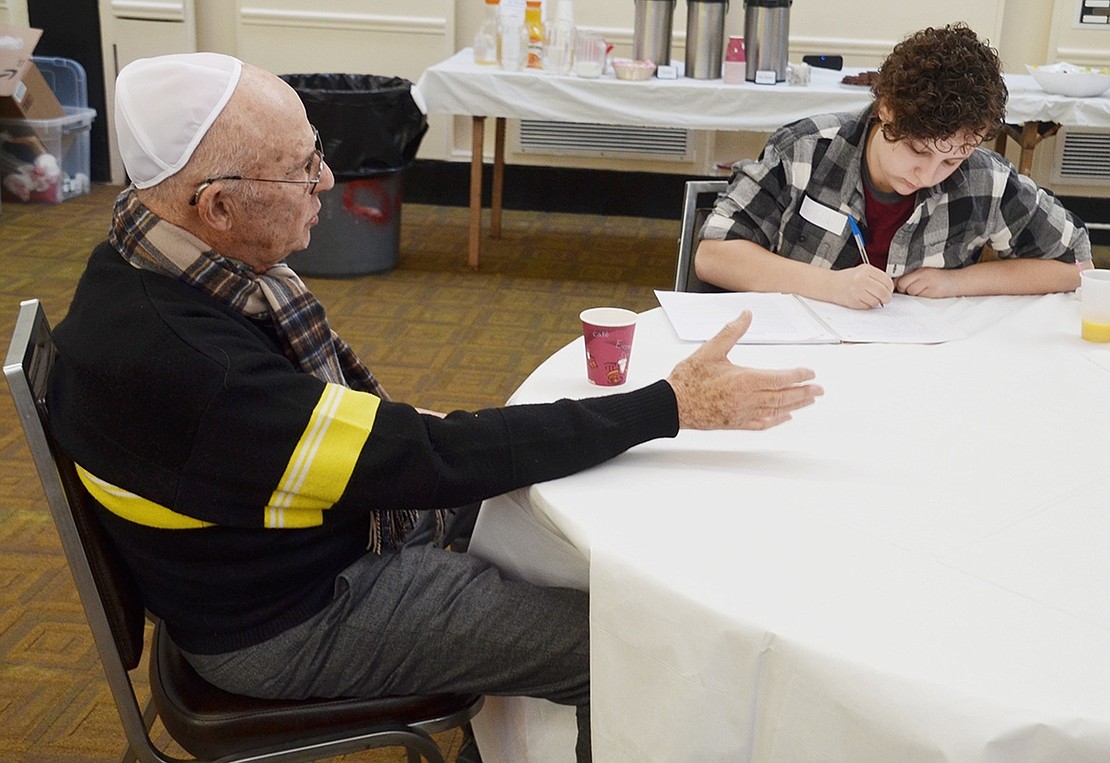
<point x="66" y="78"/>
<point x="47" y="160"/>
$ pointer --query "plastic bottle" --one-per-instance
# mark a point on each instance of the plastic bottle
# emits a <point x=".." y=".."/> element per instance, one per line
<point x="533" y="22"/>
<point x="558" y="41"/>
<point x="513" y="51"/>
<point x="487" y="38"/>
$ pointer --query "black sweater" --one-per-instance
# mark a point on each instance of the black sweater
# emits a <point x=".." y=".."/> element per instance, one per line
<point x="238" y="487"/>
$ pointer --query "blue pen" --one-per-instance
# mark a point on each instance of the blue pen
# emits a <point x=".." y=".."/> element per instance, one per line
<point x="859" y="240"/>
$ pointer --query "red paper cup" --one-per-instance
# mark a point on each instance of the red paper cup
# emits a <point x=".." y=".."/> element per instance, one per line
<point x="607" y="332"/>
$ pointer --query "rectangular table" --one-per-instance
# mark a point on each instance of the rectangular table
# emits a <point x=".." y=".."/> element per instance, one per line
<point x="459" y="86"/>
<point x="913" y="569"/>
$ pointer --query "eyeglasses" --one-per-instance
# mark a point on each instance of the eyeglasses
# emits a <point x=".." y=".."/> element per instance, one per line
<point x="311" y="182"/>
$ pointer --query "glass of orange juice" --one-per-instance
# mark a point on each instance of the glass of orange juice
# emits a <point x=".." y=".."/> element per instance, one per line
<point x="1094" y="304"/>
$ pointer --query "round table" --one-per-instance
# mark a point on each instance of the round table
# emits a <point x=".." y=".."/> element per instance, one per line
<point x="915" y="568"/>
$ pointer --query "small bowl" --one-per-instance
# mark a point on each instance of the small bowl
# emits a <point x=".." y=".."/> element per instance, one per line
<point x="626" y="68"/>
<point x="1071" y="80"/>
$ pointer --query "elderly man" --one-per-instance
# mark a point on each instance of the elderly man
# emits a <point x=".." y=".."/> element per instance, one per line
<point x="243" y="455"/>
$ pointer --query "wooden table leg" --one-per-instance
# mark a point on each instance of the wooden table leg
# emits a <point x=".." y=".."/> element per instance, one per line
<point x="477" y="139"/>
<point x="1028" y="136"/>
<point x="498" y="189"/>
<point x="1000" y="141"/>
<point x="1033" y="133"/>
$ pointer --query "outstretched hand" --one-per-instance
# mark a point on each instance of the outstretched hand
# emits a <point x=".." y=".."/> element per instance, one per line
<point x="714" y="393"/>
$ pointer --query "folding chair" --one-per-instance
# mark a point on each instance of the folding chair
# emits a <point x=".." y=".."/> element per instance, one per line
<point x="211" y="724"/>
<point x="697" y="203"/>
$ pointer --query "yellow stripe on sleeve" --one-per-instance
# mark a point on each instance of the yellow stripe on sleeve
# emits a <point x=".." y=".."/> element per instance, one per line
<point x="324" y="459"/>
<point x="135" y="508"/>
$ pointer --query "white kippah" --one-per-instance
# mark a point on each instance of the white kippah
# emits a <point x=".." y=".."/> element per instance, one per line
<point x="165" y="105"/>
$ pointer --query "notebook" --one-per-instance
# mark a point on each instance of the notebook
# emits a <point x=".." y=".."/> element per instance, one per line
<point x="790" y="319"/>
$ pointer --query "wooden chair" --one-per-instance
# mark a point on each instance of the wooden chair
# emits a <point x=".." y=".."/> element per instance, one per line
<point x="211" y="724"/>
<point x="697" y="203"/>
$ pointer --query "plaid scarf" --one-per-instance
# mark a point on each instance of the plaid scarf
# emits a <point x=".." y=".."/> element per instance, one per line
<point x="148" y="242"/>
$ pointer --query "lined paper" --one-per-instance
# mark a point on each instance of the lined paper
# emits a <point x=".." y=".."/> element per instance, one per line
<point x="789" y="319"/>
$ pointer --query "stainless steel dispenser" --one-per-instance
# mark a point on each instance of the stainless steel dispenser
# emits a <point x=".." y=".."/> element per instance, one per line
<point x="705" y="37"/>
<point x="651" y="38"/>
<point x="766" y="39"/>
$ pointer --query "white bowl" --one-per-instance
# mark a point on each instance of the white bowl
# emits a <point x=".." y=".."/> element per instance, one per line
<point x="1071" y="80"/>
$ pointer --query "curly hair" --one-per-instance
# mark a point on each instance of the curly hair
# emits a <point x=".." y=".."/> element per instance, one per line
<point x="939" y="82"/>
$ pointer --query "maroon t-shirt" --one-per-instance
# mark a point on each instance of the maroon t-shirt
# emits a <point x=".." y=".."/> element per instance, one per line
<point x="885" y="213"/>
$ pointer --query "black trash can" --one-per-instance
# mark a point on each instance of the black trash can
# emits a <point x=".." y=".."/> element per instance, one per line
<point x="370" y="128"/>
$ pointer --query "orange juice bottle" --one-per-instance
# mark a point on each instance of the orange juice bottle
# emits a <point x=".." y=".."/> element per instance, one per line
<point x="533" y="21"/>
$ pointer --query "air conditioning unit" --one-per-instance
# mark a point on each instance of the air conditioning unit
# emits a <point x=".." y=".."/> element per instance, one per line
<point x="1078" y="166"/>
<point x="623" y="141"/>
<point x="1081" y="156"/>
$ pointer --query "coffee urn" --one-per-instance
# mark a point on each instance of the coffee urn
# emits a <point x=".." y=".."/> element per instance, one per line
<point x="705" y="37"/>
<point x="766" y="39"/>
<point x="651" y="35"/>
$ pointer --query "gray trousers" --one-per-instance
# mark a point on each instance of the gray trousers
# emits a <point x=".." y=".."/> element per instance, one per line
<point x="422" y="620"/>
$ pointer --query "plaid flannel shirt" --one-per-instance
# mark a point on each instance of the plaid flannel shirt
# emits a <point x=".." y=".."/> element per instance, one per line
<point x="986" y="201"/>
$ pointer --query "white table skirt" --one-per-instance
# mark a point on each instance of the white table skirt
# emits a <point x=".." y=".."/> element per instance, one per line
<point x="459" y="86"/>
<point x="914" y="569"/>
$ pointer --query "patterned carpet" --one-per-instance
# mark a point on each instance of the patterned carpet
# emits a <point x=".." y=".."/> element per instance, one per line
<point x="436" y="334"/>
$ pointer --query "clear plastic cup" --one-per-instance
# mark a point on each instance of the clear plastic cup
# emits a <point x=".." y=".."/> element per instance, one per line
<point x="589" y="55"/>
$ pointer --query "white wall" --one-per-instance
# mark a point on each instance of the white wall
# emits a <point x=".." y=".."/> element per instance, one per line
<point x="288" y="36"/>
<point x="402" y="39"/>
<point x="1078" y="43"/>
<point x="13" y="12"/>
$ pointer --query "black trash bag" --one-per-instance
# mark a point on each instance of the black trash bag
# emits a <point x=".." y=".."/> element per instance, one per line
<point x="369" y="125"/>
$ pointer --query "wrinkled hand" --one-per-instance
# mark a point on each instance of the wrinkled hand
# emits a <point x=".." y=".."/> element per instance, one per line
<point x="934" y="283"/>
<point x="713" y="393"/>
<point x="862" y="287"/>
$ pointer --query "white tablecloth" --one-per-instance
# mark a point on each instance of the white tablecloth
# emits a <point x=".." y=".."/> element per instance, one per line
<point x="914" y="569"/>
<point x="459" y="86"/>
<point x="1029" y="103"/>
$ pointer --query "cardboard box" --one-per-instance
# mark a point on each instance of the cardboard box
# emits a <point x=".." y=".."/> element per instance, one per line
<point x="24" y="94"/>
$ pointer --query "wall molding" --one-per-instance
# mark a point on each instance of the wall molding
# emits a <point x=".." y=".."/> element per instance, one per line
<point x="614" y="35"/>
<point x="353" y="22"/>
<point x="841" y="46"/>
<point x="149" y="10"/>
<point x="624" y="37"/>
<point x="1084" y="56"/>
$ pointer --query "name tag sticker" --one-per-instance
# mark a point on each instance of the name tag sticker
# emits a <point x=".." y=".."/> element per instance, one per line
<point x="822" y="216"/>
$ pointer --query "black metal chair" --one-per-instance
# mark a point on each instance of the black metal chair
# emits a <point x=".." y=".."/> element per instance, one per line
<point x="211" y="724"/>
<point x="697" y="202"/>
